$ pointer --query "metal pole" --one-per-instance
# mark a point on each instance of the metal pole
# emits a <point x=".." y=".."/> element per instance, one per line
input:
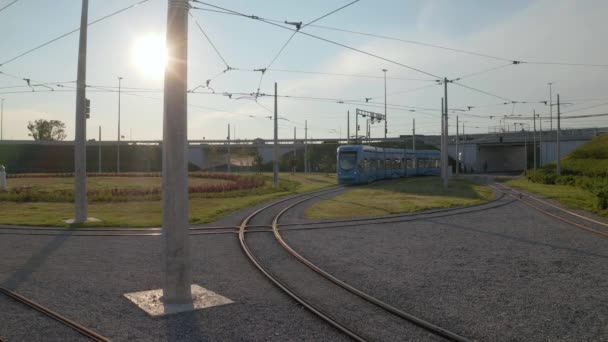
<point x="347" y="127"/>
<point x="385" y="122"/>
<point x="457" y="137"/>
<point x="414" y="142"/>
<point x="1" y="119"/>
<point x="275" y="166"/>
<point x="445" y="120"/>
<point x="118" y="141"/>
<point x="177" y="277"/>
<point x="295" y="156"/>
<point x="534" y="138"/>
<point x="229" y="162"/>
<point x="550" y="108"/>
<point x="306" y="170"/>
<point x="464" y="137"/>
<point x="558" y="169"/>
<point x="356" y="128"/>
<point x="525" y="149"/>
<point x="80" y="150"/>
<point x="99" y="152"/>
<point x="442" y="146"/>
<point x="540" y="141"/>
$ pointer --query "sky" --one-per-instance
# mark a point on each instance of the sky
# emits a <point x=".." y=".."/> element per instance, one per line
<point x="562" y="31"/>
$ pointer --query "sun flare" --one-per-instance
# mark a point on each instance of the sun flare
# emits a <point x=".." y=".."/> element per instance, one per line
<point x="149" y="55"/>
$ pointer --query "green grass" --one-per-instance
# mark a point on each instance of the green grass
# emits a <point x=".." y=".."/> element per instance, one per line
<point x="148" y="213"/>
<point x="570" y="196"/>
<point x="400" y="196"/>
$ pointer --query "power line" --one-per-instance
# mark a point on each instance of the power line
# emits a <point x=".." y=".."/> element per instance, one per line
<point x="576" y="110"/>
<point x="209" y="40"/>
<point x="321" y="38"/>
<point x="350" y="75"/>
<point x="69" y="33"/>
<point x="568" y="64"/>
<point x="414" y="42"/>
<point x="487" y="70"/>
<point x="330" y="13"/>
<point x="7" y="6"/>
<point x="484" y="92"/>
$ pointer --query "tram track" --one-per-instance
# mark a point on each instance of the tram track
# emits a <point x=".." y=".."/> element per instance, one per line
<point x="556" y="212"/>
<point x="82" y="330"/>
<point x="325" y="313"/>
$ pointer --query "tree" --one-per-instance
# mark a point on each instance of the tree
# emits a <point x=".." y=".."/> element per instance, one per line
<point x="48" y="130"/>
<point x="258" y="162"/>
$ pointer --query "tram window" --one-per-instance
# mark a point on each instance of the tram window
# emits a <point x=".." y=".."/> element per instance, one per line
<point x="410" y="164"/>
<point x="348" y="160"/>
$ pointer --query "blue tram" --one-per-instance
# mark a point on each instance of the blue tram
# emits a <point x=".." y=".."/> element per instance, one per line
<point x="360" y="164"/>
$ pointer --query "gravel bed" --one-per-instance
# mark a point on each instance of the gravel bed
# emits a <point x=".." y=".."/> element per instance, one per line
<point x="504" y="274"/>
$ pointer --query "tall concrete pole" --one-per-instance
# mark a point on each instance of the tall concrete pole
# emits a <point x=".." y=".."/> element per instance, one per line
<point x="347" y="127"/>
<point x="99" y="152"/>
<point x="275" y="166"/>
<point x="550" y="108"/>
<point x="306" y="146"/>
<point x="534" y="138"/>
<point x="525" y="148"/>
<point x="457" y="155"/>
<point x="1" y="119"/>
<point x="385" y="122"/>
<point x="558" y="164"/>
<point x="445" y="123"/>
<point x="177" y="276"/>
<point x="442" y="146"/>
<point x="414" y="142"/>
<point x="80" y="149"/>
<point x="229" y="162"/>
<point x="464" y="137"/>
<point x="118" y="139"/>
<point x="540" y="141"/>
<point x="295" y="157"/>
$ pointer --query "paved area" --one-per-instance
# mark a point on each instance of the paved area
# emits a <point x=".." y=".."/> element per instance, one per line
<point x="504" y="274"/>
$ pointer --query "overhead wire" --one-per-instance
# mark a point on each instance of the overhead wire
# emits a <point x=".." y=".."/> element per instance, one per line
<point x="71" y="32"/>
<point x="209" y="39"/>
<point x="254" y="17"/>
<point x="9" y="5"/>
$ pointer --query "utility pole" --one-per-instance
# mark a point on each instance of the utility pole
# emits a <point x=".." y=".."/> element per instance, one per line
<point x="457" y="155"/>
<point x="414" y="142"/>
<point x="540" y="140"/>
<point x="385" y="122"/>
<point x="558" y="169"/>
<point x="550" y="108"/>
<point x="464" y="137"/>
<point x="356" y="128"/>
<point x="295" y="157"/>
<point x="445" y="123"/>
<point x="229" y="162"/>
<point x="525" y="148"/>
<point x="347" y="127"/>
<point x="118" y="141"/>
<point x="534" y="138"/>
<point x="177" y="277"/>
<point x="275" y="166"/>
<point x="80" y="149"/>
<point x="99" y="152"/>
<point x="306" y="170"/>
<point x="1" y="119"/>
<point x="369" y="133"/>
<point x="442" y="146"/>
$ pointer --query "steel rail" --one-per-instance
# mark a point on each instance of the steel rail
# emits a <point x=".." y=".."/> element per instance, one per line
<point x="282" y="285"/>
<point x="578" y="225"/>
<point x="553" y="205"/>
<point x="79" y="328"/>
<point x="392" y="216"/>
<point x="437" y="330"/>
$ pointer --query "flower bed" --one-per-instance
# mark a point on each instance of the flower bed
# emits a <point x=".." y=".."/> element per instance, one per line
<point x="34" y="194"/>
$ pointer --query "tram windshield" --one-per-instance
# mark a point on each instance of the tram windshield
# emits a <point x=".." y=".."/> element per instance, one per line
<point x="348" y="160"/>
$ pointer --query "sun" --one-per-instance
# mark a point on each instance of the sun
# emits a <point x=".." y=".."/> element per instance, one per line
<point x="149" y="55"/>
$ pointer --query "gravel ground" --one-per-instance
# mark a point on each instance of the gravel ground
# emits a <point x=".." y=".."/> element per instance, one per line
<point x="84" y="279"/>
<point x="29" y="325"/>
<point x="505" y="274"/>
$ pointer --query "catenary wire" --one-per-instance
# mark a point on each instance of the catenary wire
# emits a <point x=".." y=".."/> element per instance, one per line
<point x="69" y="33"/>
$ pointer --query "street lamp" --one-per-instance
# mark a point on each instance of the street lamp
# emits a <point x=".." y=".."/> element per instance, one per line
<point x="385" y="124"/>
